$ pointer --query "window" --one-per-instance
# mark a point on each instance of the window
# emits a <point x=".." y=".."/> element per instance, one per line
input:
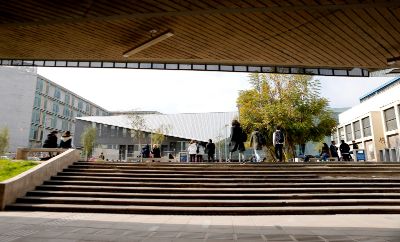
<point x="33" y="134"/>
<point x="370" y="150"/>
<point x="348" y="132"/>
<point x="394" y="141"/>
<point x="37" y="101"/>
<point x="67" y="97"/>
<point x="124" y="132"/>
<point x="341" y="133"/>
<point x="99" y="129"/>
<point x="366" y="125"/>
<point x="357" y="130"/>
<point x="39" y="85"/>
<point x="87" y="107"/>
<point x="35" y="116"/>
<point x="57" y="93"/>
<point x="54" y="122"/>
<point x="64" y="125"/>
<point x="112" y="132"/>
<point x="80" y="105"/>
<point x="97" y="112"/>
<point x="390" y="119"/>
<point x="56" y="108"/>
<point x="66" y="111"/>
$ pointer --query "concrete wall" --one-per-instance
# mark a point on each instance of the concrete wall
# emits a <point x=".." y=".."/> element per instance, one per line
<point x="18" y="186"/>
<point x="17" y="96"/>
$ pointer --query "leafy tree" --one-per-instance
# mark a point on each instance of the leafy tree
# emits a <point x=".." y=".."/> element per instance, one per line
<point x="290" y="101"/>
<point x="4" y="140"/>
<point x="88" y="141"/>
<point x="138" y="124"/>
<point x="158" y="135"/>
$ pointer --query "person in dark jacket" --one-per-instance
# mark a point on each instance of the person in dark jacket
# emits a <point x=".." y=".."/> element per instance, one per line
<point x="66" y="140"/>
<point x="51" y="141"/>
<point x="146" y="151"/>
<point x="345" y="151"/>
<point x="210" y="148"/>
<point x="236" y="140"/>
<point x="325" y="152"/>
<point x="156" y="151"/>
<point x="334" y="150"/>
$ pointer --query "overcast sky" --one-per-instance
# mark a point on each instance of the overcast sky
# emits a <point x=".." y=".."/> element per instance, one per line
<point x="183" y="91"/>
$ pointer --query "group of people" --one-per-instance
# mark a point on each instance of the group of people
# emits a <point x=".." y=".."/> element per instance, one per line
<point x="197" y="150"/>
<point x="332" y="150"/>
<point x="155" y="152"/>
<point x="257" y="142"/>
<point x="52" y="140"/>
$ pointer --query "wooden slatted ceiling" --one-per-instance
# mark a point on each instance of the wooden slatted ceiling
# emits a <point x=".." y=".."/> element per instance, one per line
<point x="285" y="34"/>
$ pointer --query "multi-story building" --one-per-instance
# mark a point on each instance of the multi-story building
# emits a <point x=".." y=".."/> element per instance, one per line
<point x="32" y="106"/>
<point x="374" y="123"/>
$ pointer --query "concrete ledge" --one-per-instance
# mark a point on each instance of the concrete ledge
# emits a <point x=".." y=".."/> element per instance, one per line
<point x="22" y="153"/>
<point x="18" y="186"/>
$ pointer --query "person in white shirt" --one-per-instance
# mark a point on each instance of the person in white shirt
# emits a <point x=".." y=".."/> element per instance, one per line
<point x="192" y="150"/>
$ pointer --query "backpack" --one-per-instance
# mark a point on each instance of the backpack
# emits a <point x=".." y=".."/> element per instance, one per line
<point x="244" y="136"/>
<point x="279" y="137"/>
<point x="261" y="139"/>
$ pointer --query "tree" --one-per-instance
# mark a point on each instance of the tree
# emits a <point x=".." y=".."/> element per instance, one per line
<point x="88" y="141"/>
<point x="290" y="101"/>
<point x="138" y="124"/>
<point x="4" y="140"/>
<point x="158" y="135"/>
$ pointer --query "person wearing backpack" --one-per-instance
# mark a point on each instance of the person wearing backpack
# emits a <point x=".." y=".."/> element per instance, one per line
<point x="278" y="139"/>
<point x="237" y="139"/>
<point x="257" y="141"/>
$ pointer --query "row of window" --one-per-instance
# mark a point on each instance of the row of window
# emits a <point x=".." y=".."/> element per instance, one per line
<point x="363" y="129"/>
<point x="52" y="121"/>
<point x="65" y="97"/>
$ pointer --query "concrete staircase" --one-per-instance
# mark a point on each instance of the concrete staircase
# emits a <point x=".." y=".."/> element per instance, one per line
<point x="219" y="189"/>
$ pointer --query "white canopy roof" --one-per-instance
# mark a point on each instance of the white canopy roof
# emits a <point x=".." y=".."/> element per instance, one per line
<point x="197" y="126"/>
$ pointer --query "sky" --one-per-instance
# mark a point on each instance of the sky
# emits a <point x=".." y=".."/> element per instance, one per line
<point x="170" y="91"/>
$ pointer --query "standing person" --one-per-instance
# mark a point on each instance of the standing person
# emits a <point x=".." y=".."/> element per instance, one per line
<point x="334" y="150"/>
<point x="200" y="152"/>
<point x="325" y="152"/>
<point x="51" y="141"/>
<point x="156" y="151"/>
<point x="66" y="140"/>
<point x="257" y="141"/>
<point x="344" y="151"/>
<point x="192" y="148"/>
<point x="146" y="151"/>
<point x="237" y="140"/>
<point x="210" y="148"/>
<point x="278" y="139"/>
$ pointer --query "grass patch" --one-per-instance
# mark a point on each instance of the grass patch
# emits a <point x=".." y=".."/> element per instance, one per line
<point x="10" y="168"/>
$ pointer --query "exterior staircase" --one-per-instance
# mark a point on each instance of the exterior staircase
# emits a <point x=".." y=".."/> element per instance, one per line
<point x="219" y="189"/>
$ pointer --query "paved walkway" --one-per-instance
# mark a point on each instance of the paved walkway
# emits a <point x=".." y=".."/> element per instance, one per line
<point x="68" y="227"/>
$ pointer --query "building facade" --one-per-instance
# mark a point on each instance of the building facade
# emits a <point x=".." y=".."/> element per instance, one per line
<point x="115" y="135"/>
<point x="33" y="106"/>
<point x="374" y="123"/>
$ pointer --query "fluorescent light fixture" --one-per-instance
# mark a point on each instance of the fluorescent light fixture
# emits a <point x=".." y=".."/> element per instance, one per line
<point x="393" y="60"/>
<point x="148" y="44"/>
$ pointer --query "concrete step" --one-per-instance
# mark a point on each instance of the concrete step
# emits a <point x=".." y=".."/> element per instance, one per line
<point x="241" y="167"/>
<point x="217" y="165"/>
<point x="94" y="188"/>
<point x="209" y="203"/>
<point x="66" y="177"/>
<point x="175" y="175"/>
<point x="220" y="185"/>
<point x="201" y="210"/>
<point x="212" y="196"/>
<point x="236" y="171"/>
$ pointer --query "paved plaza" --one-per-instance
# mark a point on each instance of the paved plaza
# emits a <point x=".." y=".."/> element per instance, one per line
<point x="71" y="227"/>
